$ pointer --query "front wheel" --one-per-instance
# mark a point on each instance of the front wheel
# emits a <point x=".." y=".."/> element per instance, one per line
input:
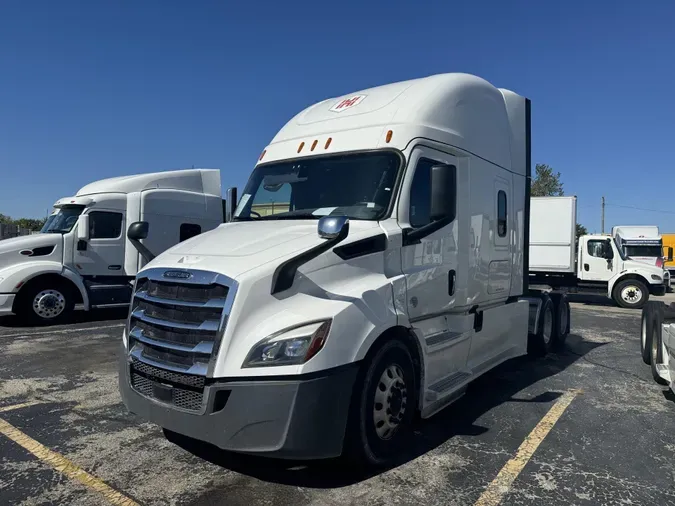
<point x="541" y="342"/>
<point x="631" y="294"/>
<point x="44" y="303"/>
<point x="383" y="406"/>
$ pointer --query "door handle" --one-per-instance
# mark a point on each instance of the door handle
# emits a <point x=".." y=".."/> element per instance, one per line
<point x="81" y="245"/>
<point x="451" y="282"/>
<point x="586" y="267"/>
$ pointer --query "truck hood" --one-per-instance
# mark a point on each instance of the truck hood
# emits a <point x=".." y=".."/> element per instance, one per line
<point x="645" y="268"/>
<point x="42" y="246"/>
<point x="236" y="248"/>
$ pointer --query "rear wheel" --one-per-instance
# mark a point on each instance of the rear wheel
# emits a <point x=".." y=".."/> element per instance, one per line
<point x="561" y="311"/>
<point x="541" y="342"/>
<point x="656" y="350"/>
<point x="44" y="302"/>
<point x="383" y="406"/>
<point x="631" y="293"/>
<point x="650" y="315"/>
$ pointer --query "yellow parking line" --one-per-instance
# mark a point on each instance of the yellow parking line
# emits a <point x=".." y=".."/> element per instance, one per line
<point x="19" y="406"/>
<point x="64" y="466"/>
<point x="500" y="486"/>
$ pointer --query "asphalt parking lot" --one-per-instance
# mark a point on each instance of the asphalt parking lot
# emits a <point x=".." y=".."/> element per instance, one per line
<point x="585" y="426"/>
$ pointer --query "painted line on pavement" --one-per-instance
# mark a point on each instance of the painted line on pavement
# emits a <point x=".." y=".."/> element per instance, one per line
<point x="64" y="466"/>
<point x="3" y="409"/>
<point x="501" y="485"/>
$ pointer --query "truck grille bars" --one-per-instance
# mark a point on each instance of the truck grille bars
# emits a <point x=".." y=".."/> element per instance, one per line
<point x="175" y="326"/>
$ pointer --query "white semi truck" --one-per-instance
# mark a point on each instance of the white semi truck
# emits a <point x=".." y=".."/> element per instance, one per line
<point x="591" y="264"/>
<point x="84" y="254"/>
<point x="392" y="272"/>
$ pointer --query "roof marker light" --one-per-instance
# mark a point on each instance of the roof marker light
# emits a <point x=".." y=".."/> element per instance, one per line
<point x="262" y="154"/>
<point x="314" y="145"/>
<point x="389" y="134"/>
<point x="330" y="139"/>
<point x="302" y="145"/>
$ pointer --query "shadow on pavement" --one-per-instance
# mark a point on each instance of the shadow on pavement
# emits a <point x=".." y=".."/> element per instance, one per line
<point x="95" y="315"/>
<point x="485" y="393"/>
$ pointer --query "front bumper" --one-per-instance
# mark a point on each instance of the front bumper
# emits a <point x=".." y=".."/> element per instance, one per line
<point x="6" y="303"/>
<point x="296" y="418"/>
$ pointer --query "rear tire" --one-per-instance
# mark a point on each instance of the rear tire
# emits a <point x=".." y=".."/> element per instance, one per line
<point x="650" y="315"/>
<point x="44" y="303"/>
<point x="383" y="406"/>
<point x="541" y="342"/>
<point x="630" y="294"/>
<point x="562" y="325"/>
<point x="656" y="348"/>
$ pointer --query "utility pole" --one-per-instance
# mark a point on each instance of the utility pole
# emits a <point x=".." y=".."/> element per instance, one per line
<point x="603" y="216"/>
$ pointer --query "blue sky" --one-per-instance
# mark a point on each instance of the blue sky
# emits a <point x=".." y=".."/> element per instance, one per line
<point x="90" y="90"/>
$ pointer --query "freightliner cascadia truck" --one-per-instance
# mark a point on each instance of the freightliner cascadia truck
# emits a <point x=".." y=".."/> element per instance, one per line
<point x="391" y="272"/>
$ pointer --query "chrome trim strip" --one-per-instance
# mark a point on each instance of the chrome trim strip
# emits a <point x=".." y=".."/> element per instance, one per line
<point x="450" y="381"/>
<point x="197" y="369"/>
<point x="209" y="304"/>
<point x="205" y="347"/>
<point x="208" y="325"/>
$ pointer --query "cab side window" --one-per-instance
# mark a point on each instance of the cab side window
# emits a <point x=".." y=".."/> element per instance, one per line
<point x="420" y="194"/>
<point x="105" y="225"/>
<point x="501" y="213"/>
<point x="599" y="249"/>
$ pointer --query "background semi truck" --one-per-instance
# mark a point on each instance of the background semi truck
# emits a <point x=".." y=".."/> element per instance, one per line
<point x="591" y="264"/>
<point x="83" y="254"/>
<point x="394" y="273"/>
<point x="668" y="247"/>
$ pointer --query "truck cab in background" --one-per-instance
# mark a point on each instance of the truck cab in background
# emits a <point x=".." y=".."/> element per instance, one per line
<point x="668" y="247"/>
<point x="83" y="253"/>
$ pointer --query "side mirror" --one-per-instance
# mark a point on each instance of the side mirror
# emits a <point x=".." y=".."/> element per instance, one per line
<point x="83" y="227"/>
<point x="230" y="204"/>
<point x="443" y="192"/>
<point x="138" y="230"/>
<point x="670" y="253"/>
<point x="608" y="251"/>
<point x="332" y="227"/>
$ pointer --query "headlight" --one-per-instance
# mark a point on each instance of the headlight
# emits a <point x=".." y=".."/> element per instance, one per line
<point x="289" y="347"/>
<point x="656" y="278"/>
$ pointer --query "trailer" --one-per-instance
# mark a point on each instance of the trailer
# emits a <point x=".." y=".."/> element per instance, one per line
<point x="594" y="264"/>
<point x="393" y="272"/>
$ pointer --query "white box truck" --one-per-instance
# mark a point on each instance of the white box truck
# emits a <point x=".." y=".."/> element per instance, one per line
<point x="83" y="253"/>
<point x="593" y="264"/>
<point x="392" y="272"/>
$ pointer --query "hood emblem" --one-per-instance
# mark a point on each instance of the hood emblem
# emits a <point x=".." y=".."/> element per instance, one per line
<point x="178" y="274"/>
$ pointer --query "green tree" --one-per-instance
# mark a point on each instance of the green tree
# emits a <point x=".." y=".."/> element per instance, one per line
<point x="5" y="219"/>
<point x="581" y="230"/>
<point x="30" y="223"/>
<point x="546" y="182"/>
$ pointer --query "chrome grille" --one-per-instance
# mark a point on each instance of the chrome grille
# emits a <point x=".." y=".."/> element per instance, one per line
<point x="176" y="325"/>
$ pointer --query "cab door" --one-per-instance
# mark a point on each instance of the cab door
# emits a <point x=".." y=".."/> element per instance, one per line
<point x="430" y="266"/>
<point x="103" y="253"/>
<point x="597" y="259"/>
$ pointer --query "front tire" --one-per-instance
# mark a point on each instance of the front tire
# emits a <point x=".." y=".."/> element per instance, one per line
<point x="631" y="294"/>
<point x="650" y="317"/>
<point x="656" y="350"/>
<point x="383" y="406"/>
<point x="44" y="303"/>
<point x="562" y="325"/>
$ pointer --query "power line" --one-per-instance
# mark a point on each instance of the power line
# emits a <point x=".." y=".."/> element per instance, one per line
<point x="641" y="209"/>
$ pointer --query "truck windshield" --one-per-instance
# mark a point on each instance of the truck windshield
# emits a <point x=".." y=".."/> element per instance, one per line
<point x="359" y="186"/>
<point x="62" y="220"/>
<point x="643" y="251"/>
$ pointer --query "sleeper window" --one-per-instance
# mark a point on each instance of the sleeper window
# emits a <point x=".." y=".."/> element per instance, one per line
<point x="501" y="213"/>
<point x="105" y="225"/>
